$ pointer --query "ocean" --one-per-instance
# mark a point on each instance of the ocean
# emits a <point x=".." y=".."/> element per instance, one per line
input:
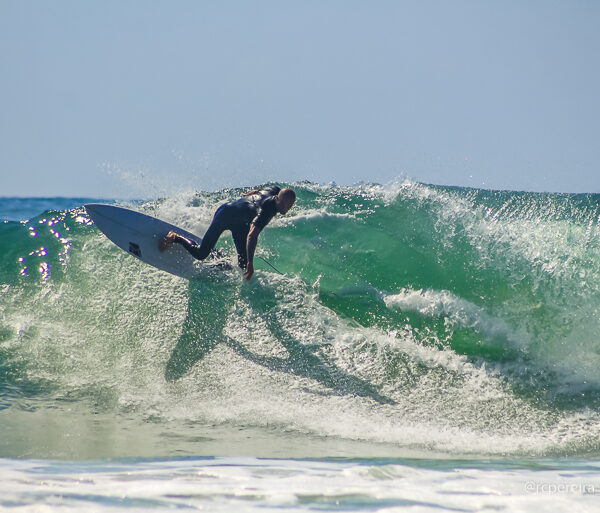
<point x="401" y="347"/>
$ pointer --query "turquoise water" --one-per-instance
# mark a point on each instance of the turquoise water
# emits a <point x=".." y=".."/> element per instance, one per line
<point x="416" y="347"/>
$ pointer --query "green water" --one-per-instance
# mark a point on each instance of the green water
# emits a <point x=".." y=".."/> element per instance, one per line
<point x="409" y="320"/>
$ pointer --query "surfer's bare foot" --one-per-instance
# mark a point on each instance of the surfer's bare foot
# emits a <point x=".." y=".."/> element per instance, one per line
<point x="167" y="241"/>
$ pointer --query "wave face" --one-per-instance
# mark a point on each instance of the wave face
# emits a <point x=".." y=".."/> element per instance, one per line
<point x="405" y="316"/>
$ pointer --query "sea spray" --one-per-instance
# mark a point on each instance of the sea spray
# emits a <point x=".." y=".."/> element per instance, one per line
<point x="419" y="317"/>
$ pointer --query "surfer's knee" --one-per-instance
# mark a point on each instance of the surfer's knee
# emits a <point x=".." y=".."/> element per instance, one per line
<point x="197" y="251"/>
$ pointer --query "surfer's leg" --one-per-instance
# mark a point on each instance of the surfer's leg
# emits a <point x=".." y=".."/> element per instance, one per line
<point x="219" y="224"/>
<point x="239" y="238"/>
<point x="199" y="251"/>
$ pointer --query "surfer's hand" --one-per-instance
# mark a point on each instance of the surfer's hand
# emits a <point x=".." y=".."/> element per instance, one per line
<point x="249" y="271"/>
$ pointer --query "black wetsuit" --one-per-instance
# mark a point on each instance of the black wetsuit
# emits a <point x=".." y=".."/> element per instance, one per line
<point x="257" y="209"/>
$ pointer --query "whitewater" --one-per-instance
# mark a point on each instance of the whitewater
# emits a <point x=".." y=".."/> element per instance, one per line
<point x="400" y="347"/>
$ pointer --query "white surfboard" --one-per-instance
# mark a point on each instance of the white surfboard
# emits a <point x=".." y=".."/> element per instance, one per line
<point x="139" y="234"/>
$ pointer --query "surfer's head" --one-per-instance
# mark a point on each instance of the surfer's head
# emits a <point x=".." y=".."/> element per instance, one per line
<point x="285" y="200"/>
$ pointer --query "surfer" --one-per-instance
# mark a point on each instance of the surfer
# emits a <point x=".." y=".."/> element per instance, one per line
<point x="245" y="217"/>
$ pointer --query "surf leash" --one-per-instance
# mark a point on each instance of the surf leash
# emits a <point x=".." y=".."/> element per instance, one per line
<point x="271" y="265"/>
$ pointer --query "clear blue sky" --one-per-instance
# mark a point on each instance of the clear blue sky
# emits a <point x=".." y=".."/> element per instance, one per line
<point x="129" y="98"/>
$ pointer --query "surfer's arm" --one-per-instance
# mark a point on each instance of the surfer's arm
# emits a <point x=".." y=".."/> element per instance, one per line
<point x="251" y="242"/>
<point x="270" y="191"/>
